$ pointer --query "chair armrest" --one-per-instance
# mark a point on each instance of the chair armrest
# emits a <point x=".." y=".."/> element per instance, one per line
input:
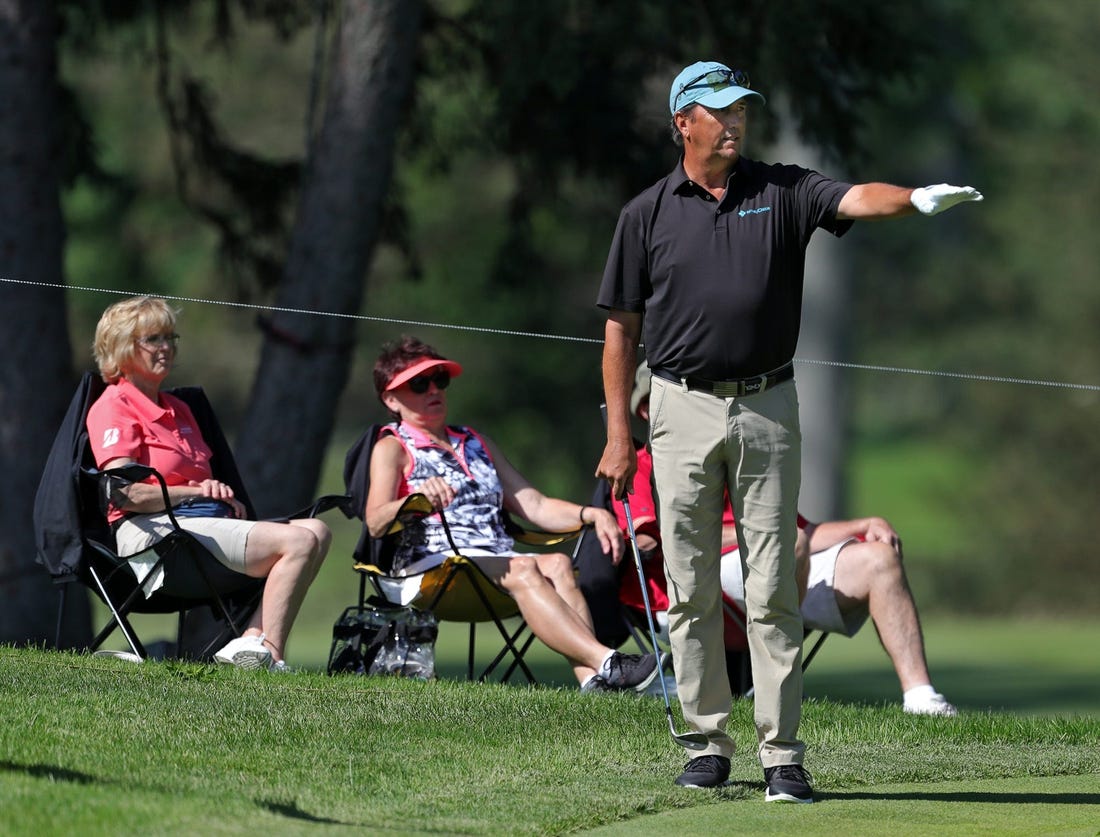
<point x="324" y="503"/>
<point x="131" y="473"/>
<point x="414" y="508"/>
<point x="537" y="537"/>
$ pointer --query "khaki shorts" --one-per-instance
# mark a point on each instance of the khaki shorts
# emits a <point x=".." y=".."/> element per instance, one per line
<point x="225" y="537"/>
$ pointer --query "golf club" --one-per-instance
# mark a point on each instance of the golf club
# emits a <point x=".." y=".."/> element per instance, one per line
<point x="689" y="740"/>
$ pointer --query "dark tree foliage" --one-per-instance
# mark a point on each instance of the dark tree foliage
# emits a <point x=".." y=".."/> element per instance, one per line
<point x="558" y="88"/>
<point x="1009" y="291"/>
<point x="582" y="87"/>
<point x="571" y="95"/>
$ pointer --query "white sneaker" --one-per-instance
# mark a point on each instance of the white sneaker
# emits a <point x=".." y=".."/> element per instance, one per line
<point x="245" y="652"/>
<point x="933" y="704"/>
<point x="128" y="656"/>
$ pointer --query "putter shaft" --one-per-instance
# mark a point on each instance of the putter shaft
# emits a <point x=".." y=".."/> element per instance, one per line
<point x="689" y="740"/>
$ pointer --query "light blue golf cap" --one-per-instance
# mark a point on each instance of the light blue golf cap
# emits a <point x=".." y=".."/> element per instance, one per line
<point x="709" y="83"/>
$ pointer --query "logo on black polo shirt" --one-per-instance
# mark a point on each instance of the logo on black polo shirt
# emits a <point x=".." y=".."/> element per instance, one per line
<point x="745" y="212"/>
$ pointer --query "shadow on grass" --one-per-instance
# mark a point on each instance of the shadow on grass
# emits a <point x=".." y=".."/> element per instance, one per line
<point x="290" y="810"/>
<point x="967" y="796"/>
<point x="51" y="772"/>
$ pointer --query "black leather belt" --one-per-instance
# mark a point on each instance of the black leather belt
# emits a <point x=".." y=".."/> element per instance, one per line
<point x="732" y="389"/>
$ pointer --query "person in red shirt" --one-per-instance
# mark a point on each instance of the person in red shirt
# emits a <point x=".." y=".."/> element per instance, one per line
<point x="133" y="421"/>
<point x="847" y="570"/>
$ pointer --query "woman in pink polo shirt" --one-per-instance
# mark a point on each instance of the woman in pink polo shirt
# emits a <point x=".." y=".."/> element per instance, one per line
<point x="132" y="421"/>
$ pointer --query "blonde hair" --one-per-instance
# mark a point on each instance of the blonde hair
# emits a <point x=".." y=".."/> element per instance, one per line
<point x="120" y="326"/>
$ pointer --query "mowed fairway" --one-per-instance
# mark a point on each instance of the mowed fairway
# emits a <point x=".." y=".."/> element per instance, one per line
<point x="1065" y="805"/>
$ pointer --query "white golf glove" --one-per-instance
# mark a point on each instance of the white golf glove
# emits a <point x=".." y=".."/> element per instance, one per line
<point x="931" y="200"/>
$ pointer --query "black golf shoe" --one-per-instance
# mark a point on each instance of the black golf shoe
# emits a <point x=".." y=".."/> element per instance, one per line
<point x="788" y="783"/>
<point x="705" y="772"/>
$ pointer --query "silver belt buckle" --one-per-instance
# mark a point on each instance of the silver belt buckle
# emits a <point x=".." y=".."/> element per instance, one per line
<point x="727" y="389"/>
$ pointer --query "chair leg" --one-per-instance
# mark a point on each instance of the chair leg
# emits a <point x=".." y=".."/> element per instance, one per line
<point x="509" y="639"/>
<point x="813" y="651"/>
<point x="119" y="619"/>
<point x="470" y="657"/>
<point x="179" y="632"/>
<point x="223" y="609"/>
<point x="640" y="638"/>
<point x="60" y="616"/>
<point x="519" y="662"/>
<point x="517" y="659"/>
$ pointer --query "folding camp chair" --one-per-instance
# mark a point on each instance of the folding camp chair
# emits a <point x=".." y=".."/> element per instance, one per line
<point x="455" y="591"/>
<point x="76" y="544"/>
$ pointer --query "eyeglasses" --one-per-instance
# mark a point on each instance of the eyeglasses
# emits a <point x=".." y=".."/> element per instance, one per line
<point x="716" y="80"/>
<point x="155" y="341"/>
<point x="419" y="384"/>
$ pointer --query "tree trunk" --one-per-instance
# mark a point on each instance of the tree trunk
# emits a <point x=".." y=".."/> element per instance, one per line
<point x="823" y="391"/>
<point x="306" y="359"/>
<point x="36" y="377"/>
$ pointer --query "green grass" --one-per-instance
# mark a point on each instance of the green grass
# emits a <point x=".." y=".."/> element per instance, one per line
<point x="1031" y="666"/>
<point x="97" y="746"/>
<point x="93" y="746"/>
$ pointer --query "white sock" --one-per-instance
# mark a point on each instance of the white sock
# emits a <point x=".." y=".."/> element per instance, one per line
<point x="605" y="666"/>
<point x="588" y="680"/>
<point x="918" y="694"/>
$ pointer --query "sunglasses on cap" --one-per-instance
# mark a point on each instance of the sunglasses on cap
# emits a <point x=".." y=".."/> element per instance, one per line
<point x="716" y="80"/>
<point x="419" y="384"/>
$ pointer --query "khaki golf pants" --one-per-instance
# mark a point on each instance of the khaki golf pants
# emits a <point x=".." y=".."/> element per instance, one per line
<point x="701" y="444"/>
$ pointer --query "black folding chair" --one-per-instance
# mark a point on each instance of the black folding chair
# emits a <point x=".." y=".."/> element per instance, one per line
<point x="77" y="546"/>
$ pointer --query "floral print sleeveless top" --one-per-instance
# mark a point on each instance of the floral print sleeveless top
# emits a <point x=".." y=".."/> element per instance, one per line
<point x="474" y="517"/>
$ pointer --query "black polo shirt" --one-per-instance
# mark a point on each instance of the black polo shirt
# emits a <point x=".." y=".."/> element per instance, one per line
<point x="720" y="283"/>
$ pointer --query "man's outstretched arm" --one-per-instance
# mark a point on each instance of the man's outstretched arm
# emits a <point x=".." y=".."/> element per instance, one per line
<point x="878" y="201"/>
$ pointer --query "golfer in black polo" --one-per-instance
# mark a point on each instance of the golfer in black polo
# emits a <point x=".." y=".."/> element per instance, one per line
<point x="706" y="268"/>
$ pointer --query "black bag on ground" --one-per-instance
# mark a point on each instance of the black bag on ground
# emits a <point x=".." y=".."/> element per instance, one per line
<point x="382" y="638"/>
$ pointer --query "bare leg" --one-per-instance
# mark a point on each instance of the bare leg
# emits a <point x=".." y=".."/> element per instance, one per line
<point x="548" y="615"/>
<point x="558" y="569"/>
<point x="288" y="556"/>
<point x="872" y="573"/>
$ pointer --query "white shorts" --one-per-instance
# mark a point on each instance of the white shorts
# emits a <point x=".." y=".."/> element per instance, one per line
<point x="404" y="587"/>
<point x="819" y="609"/>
